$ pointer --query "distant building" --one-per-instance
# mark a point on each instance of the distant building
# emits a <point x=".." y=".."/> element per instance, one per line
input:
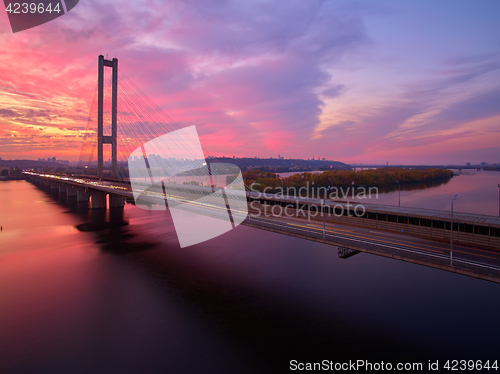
<point x="467" y="164"/>
<point x="4" y="170"/>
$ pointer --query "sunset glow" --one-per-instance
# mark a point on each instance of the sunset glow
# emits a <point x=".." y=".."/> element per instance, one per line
<point x="354" y="82"/>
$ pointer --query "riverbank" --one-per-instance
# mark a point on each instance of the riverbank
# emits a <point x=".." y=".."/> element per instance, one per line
<point x="383" y="177"/>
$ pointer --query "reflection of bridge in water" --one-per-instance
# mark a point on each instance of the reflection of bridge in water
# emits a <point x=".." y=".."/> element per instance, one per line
<point x="420" y="236"/>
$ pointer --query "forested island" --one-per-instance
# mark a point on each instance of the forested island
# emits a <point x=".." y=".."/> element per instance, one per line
<point x="382" y="177"/>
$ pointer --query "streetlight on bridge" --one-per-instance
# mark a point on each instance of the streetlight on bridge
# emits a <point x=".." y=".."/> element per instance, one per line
<point x="451" y="231"/>
<point x="323" y="211"/>
<point x="399" y="187"/>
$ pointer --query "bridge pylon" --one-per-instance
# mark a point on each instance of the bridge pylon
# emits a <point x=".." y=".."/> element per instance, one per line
<point x="101" y="138"/>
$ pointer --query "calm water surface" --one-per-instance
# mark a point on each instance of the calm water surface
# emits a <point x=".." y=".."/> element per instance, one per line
<point x="477" y="193"/>
<point x="130" y="300"/>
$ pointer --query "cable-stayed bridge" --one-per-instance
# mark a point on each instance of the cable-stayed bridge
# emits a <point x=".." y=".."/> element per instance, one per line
<point x="123" y="120"/>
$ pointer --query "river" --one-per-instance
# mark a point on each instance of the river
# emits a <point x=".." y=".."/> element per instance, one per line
<point x="477" y="193"/>
<point x="129" y="299"/>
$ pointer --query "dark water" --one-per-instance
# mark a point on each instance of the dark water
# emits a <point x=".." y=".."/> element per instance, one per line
<point x="130" y="300"/>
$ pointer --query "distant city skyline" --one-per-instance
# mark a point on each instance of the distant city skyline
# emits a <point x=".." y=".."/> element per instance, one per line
<point x="107" y="160"/>
<point x="357" y="82"/>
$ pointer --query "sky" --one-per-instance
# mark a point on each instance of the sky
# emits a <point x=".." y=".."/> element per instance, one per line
<point x="403" y="82"/>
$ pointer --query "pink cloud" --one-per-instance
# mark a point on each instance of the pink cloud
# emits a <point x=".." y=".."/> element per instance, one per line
<point x="251" y="76"/>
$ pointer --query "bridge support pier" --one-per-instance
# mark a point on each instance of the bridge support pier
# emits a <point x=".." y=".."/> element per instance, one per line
<point x="54" y="188"/>
<point x="82" y="196"/>
<point x="98" y="200"/>
<point x="116" y="201"/>
<point x="62" y="189"/>
<point x="71" y="191"/>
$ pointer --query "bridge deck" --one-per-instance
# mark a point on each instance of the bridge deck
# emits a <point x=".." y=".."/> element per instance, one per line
<point x="469" y="260"/>
<point x="388" y="209"/>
